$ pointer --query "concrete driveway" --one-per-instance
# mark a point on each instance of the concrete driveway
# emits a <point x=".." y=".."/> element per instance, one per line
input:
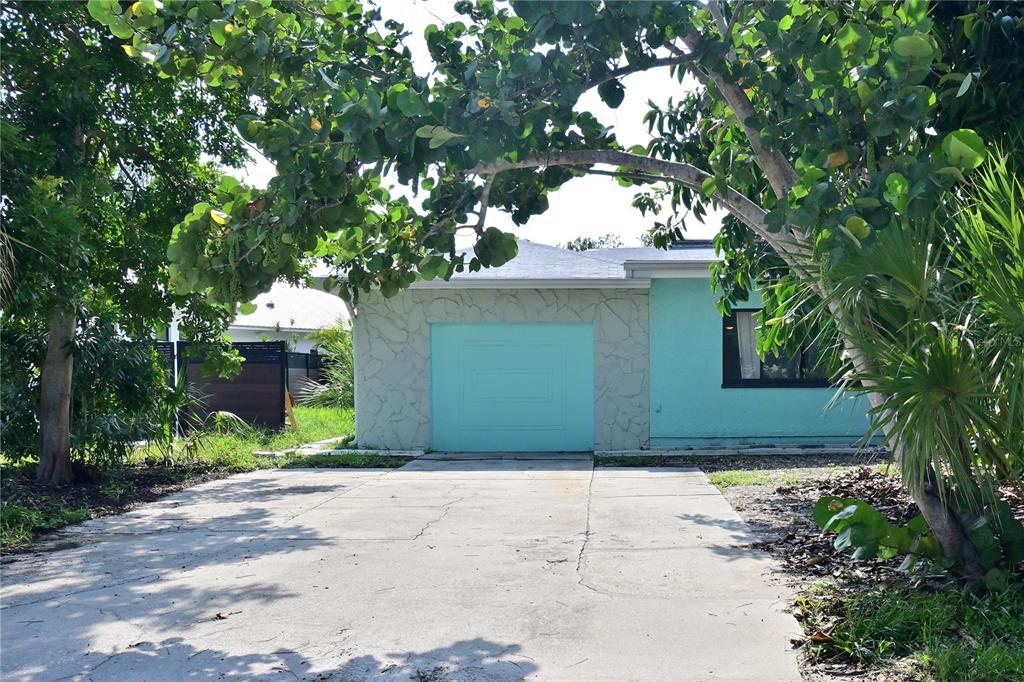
<point x="471" y="569"/>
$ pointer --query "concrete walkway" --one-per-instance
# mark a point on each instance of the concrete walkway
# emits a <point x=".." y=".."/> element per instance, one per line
<point x="461" y="569"/>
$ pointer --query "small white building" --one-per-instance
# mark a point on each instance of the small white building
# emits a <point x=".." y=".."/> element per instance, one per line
<point x="289" y="313"/>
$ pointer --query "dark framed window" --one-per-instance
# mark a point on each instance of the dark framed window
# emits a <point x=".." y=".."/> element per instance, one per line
<point x="742" y="368"/>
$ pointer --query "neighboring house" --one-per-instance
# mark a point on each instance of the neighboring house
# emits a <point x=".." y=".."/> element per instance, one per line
<point x="289" y="313"/>
<point x="608" y="349"/>
<point x="285" y="313"/>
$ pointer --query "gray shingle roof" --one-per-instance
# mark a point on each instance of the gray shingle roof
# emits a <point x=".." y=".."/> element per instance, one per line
<point x="550" y="263"/>
<point x="539" y="261"/>
<point x="694" y="254"/>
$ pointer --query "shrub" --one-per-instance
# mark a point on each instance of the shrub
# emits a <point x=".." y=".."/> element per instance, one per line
<point x="336" y="384"/>
<point x="114" y="403"/>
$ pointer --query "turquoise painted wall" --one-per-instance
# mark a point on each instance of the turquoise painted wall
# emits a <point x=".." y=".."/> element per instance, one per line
<point x="689" y="405"/>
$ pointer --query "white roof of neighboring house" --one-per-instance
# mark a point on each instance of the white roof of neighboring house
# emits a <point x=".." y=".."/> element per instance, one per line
<point x="292" y="308"/>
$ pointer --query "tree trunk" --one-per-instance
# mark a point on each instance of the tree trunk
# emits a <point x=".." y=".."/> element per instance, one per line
<point x="55" y="400"/>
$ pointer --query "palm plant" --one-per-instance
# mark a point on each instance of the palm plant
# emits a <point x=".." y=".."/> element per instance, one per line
<point x="179" y="414"/>
<point x="936" y="306"/>
<point x="335" y="388"/>
<point x="990" y="225"/>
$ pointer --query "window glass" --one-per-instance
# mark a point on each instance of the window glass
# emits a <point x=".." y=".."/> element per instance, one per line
<point x="741" y="366"/>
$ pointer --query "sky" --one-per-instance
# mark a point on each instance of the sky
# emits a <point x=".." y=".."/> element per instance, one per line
<point x="588" y="206"/>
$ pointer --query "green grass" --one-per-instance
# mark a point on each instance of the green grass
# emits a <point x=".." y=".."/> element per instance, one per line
<point x="235" y="447"/>
<point x="353" y="461"/>
<point x="29" y="509"/>
<point x="19" y="524"/>
<point x="315" y="423"/>
<point x="953" y="635"/>
<point x="727" y="479"/>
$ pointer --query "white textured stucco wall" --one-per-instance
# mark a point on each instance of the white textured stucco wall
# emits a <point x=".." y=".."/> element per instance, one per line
<point x="392" y="346"/>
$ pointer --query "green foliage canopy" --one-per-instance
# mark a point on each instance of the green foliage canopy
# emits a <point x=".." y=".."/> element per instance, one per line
<point x="100" y="158"/>
<point x="863" y="102"/>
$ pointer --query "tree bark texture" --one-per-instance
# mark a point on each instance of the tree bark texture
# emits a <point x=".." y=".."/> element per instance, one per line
<point x="55" y="400"/>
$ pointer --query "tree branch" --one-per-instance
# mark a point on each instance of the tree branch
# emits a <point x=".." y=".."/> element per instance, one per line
<point x="752" y="215"/>
<point x="632" y="176"/>
<point x="779" y="171"/>
<point x="485" y="199"/>
<point x="732" y="21"/>
<point x="127" y="174"/>
<point x="716" y="13"/>
<point x="680" y="58"/>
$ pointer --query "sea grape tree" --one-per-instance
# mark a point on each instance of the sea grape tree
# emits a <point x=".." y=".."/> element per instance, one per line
<point x="818" y="126"/>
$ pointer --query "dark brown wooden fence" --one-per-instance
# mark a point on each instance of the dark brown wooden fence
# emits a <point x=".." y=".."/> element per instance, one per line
<point x="256" y="394"/>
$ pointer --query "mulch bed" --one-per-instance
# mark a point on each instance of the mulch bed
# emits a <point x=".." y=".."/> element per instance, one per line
<point x="800" y="545"/>
<point x="783" y="518"/>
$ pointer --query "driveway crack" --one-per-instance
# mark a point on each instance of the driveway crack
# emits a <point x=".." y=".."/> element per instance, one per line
<point x="344" y="492"/>
<point x="445" y="507"/>
<point x="586" y="537"/>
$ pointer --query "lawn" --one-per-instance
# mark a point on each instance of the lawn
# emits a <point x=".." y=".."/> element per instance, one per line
<point x="234" y="446"/>
<point x="740" y="470"/>
<point x="949" y="634"/>
<point x="29" y="510"/>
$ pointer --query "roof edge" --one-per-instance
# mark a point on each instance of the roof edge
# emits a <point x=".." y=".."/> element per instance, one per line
<point x="578" y="283"/>
<point x="681" y="264"/>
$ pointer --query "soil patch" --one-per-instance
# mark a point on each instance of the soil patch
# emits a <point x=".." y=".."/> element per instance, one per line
<point x="113" y="491"/>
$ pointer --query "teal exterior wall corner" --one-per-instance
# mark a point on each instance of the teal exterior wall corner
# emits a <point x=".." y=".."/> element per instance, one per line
<point x="689" y="407"/>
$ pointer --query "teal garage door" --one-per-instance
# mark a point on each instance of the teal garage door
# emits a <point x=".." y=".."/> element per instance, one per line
<point x="512" y="387"/>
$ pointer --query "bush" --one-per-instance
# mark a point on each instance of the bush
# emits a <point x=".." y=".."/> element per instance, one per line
<point x="19" y="524"/>
<point x="336" y="385"/>
<point x="118" y="382"/>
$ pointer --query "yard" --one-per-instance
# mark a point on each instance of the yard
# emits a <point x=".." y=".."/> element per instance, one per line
<point x="861" y="620"/>
<point x="29" y="509"/>
<point x="866" y="620"/>
<point x="826" y="246"/>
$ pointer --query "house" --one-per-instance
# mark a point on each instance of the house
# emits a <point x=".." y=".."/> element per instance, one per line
<point x="285" y="313"/>
<point x="610" y="349"/>
<point x="291" y="314"/>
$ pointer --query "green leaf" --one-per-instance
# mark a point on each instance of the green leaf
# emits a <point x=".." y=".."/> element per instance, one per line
<point x="825" y="508"/>
<point x="965" y="84"/>
<point x="964" y="149"/>
<point x="120" y="28"/>
<point x="858" y="227"/>
<point x="896" y="188"/>
<point x="918" y="525"/>
<point x="916" y="46"/>
<point x="854" y="39"/>
<point x="708" y="187"/>
<point x="612" y="93"/>
<point x="217" y="31"/>
<point x="442" y="137"/>
<point x="103" y="10"/>
<point x="246" y="308"/>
